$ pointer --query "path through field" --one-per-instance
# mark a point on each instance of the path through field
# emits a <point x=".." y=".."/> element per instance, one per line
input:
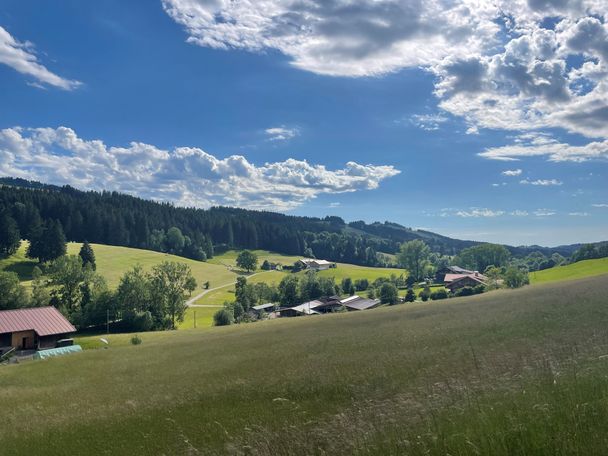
<point x="190" y="302"/>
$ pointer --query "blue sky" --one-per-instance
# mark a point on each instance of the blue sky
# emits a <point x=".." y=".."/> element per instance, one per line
<point x="483" y="123"/>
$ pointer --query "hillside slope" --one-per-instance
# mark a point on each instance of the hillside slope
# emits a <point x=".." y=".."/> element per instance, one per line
<point x="113" y="262"/>
<point x="510" y="372"/>
<point x="578" y="270"/>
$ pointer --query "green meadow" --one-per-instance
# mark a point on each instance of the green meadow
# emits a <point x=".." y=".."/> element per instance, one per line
<point x="511" y="372"/>
<point x="113" y="262"/>
<point x="585" y="268"/>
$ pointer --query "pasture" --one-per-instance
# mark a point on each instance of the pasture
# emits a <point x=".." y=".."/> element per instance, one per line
<point x="585" y="268"/>
<point x="113" y="262"/>
<point x="510" y="372"/>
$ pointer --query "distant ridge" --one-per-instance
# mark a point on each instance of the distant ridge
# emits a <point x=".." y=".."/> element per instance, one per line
<point x="119" y="219"/>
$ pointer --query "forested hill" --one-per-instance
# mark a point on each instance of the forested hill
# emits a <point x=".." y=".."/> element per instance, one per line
<point x="123" y="220"/>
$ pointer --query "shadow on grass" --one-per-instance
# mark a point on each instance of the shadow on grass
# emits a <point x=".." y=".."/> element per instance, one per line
<point x="22" y="268"/>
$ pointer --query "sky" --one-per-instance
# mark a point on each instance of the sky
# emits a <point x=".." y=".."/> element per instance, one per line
<point x="483" y="120"/>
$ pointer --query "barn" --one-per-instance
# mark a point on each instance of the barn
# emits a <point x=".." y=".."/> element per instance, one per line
<point x="34" y="328"/>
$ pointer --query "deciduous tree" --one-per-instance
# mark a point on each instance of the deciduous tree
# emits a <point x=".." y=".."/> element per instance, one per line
<point x="414" y="256"/>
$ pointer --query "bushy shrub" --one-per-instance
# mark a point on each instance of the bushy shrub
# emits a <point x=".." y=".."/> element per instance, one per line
<point x="138" y="321"/>
<point x="479" y="289"/>
<point x="466" y="291"/>
<point x="223" y="317"/>
<point x="424" y="296"/>
<point x="439" y="294"/>
<point x="410" y="296"/>
<point x="388" y="294"/>
<point x="135" y="340"/>
<point x="361" y="284"/>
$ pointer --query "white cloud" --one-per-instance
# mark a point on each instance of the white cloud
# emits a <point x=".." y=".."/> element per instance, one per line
<point x="187" y="176"/>
<point x="281" y="133"/>
<point x="477" y="212"/>
<point x="541" y="182"/>
<point x="335" y="204"/>
<point x="579" y="214"/>
<point x="428" y="122"/>
<point x="538" y="144"/>
<point x="21" y="57"/>
<point x="512" y="172"/>
<point x="496" y="64"/>
<point x="602" y="205"/>
<point x="519" y="213"/>
<point x="544" y="212"/>
<point x="341" y="38"/>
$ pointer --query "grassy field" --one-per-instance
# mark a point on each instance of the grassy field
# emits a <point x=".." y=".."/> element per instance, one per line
<point x="505" y="373"/>
<point x="219" y="296"/>
<point x="229" y="257"/>
<point x="586" y="268"/>
<point x="113" y="262"/>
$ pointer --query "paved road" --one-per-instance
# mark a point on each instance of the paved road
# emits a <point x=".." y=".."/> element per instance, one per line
<point x="190" y="302"/>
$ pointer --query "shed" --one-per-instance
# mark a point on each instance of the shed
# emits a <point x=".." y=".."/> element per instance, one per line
<point x="33" y="328"/>
<point x="358" y="303"/>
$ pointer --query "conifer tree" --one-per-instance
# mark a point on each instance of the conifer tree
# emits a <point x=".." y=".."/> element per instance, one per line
<point x="87" y="255"/>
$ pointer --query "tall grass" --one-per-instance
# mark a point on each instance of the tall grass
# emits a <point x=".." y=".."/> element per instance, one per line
<point x="505" y="373"/>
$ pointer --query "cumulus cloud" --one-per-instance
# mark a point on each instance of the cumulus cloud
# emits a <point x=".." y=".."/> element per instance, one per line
<point x="428" y="122"/>
<point x="538" y="145"/>
<point x="21" y="57"/>
<point x="541" y="182"/>
<point x="187" y="176"/>
<point x="340" y="38"/>
<point x="512" y="172"/>
<point x="281" y="133"/>
<point x="600" y="205"/>
<point x="506" y="64"/>
<point x="519" y="213"/>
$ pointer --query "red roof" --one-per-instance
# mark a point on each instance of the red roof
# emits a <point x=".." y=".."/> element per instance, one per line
<point x="44" y="320"/>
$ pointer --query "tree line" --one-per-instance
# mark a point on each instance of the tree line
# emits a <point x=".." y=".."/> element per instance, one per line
<point x="143" y="301"/>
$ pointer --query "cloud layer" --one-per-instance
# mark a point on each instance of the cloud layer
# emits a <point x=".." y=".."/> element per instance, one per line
<point x="542" y="145"/>
<point x="521" y="65"/>
<point x="187" y="176"/>
<point x="21" y="57"/>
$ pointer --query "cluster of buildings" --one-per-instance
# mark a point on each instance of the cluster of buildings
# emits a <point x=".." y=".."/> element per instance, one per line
<point x="315" y="265"/>
<point x="320" y="306"/>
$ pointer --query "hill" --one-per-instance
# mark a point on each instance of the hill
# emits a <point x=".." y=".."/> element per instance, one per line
<point x="578" y="270"/>
<point x="113" y="262"/>
<point x="118" y="219"/>
<point x="511" y="372"/>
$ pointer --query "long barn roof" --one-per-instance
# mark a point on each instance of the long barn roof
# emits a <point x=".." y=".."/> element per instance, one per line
<point x="45" y="321"/>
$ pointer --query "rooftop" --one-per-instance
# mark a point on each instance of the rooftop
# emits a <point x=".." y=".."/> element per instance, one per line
<point x="45" y="321"/>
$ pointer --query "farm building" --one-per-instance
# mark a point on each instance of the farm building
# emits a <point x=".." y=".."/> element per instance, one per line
<point x="441" y="273"/>
<point x="455" y="282"/>
<point x="308" y="308"/>
<point x="330" y="304"/>
<point x="33" y="328"/>
<point x="263" y="308"/>
<point x="316" y="265"/>
<point x="358" y="303"/>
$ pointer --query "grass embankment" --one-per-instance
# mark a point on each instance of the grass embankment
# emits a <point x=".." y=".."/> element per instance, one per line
<point x="579" y="270"/>
<point x="509" y="372"/>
